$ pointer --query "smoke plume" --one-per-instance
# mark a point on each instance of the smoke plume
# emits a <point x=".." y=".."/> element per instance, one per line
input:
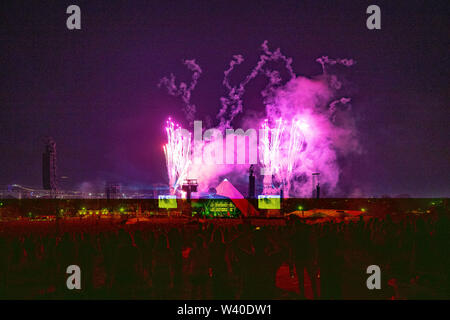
<point x="184" y="90"/>
<point x="314" y="104"/>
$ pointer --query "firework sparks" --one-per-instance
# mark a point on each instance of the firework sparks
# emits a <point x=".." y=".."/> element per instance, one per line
<point x="178" y="154"/>
<point x="280" y="149"/>
<point x="296" y="141"/>
<point x="301" y="134"/>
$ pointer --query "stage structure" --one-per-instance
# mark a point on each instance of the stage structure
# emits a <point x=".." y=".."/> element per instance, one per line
<point x="315" y="185"/>
<point x="49" y="172"/>
<point x="189" y="186"/>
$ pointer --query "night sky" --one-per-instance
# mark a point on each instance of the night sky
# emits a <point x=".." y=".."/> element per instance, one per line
<point x="95" y="90"/>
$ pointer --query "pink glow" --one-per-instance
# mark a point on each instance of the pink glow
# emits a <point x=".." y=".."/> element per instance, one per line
<point x="298" y="136"/>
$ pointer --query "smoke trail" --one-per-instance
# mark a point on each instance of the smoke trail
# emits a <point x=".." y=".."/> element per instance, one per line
<point x="233" y="102"/>
<point x="334" y="104"/>
<point x="324" y="60"/>
<point x="333" y="80"/>
<point x="183" y="89"/>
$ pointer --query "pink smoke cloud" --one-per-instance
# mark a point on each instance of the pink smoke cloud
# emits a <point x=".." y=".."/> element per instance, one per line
<point x="324" y="118"/>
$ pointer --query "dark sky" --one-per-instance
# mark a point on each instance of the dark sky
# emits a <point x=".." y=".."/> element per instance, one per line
<point x="95" y="90"/>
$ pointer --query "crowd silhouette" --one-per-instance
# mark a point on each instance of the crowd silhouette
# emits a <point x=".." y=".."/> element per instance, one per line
<point x="226" y="260"/>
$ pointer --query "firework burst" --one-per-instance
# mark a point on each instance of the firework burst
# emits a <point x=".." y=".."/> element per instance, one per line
<point x="280" y="150"/>
<point x="178" y="154"/>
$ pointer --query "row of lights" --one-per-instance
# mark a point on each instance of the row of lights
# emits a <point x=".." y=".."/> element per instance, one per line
<point x="300" y="208"/>
<point x="104" y="211"/>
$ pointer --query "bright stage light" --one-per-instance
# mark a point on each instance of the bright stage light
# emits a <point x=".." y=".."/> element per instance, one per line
<point x="167" y="201"/>
<point x="269" y="202"/>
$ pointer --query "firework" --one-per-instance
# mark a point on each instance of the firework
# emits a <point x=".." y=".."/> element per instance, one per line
<point x="178" y="154"/>
<point x="295" y="146"/>
<point x="269" y="146"/>
<point x="280" y="149"/>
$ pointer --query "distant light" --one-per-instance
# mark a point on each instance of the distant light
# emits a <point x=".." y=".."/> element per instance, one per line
<point x="300" y="208"/>
<point x="363" y="209"/>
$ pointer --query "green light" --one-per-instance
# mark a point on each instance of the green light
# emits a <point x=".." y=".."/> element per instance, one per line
<point x="300" y="208"/>
<point x="167" y="201"/>
<point x="363" y="209"/>
<point x="122" y="209"/>
<point x="269" y="202"/>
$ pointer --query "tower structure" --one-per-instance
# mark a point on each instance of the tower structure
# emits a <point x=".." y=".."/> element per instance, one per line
<point x="189" y="186"/>
<point x="315" y="185"/>
<point x="49" y="168"/>
<point x="251" y="183"/>
<point x="113" y="190"/>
